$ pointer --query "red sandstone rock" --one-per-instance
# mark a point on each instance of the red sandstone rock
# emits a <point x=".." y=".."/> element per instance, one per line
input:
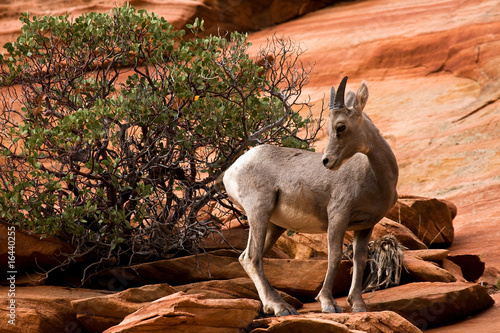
<point x="454" y="269"/>
<point x="384" y="321"/>
<point x="485" y="321"/>
<point x="300" y="324"/>
<point x="422" y="270"/>
<point x="42" y="309"/>
<point x="491" y="277"/>
<point x="235" y="238"/>
<point x="402" y="234"/>
<point x="429" y="219"/>
<point x="435" y="255"/>
<point x="102" y="312"/>
<point x="31" y="252"/>
<point x="219" y="16"/>
<point x="190" y="313"/>
<point x="471" y="265"/>
<point x="422" y="77"/>
<point x="428" y="304"/>
<point x="305" y="246"/>
<point x="299" y="278"/>
<point x="434" y="94"/>
<point x="433" y="87"/>
<point x="234" y="288"/>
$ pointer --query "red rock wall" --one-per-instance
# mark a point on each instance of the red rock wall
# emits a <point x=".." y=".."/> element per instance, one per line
<point x="219" y="15"/>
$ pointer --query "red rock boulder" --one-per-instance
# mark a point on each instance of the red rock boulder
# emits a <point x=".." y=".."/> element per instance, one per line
<point x="422" y="271"/>
<point x="32" y="253"/>
<point x="43" y="309"/>
<point x="429" y="219"/>
<point x="402" y="234"/>
<point x="190" y="313"/>
<point x="428" y="304"/>
<point x="102" y="312"/>
<point x="383" y="321"/>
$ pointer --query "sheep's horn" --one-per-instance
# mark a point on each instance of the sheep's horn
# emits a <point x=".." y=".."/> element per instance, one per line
<point x="338" y="103"/>
<point x="332" y="98"/>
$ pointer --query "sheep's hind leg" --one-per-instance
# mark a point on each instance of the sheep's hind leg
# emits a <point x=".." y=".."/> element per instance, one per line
<point x="251" y="260"/>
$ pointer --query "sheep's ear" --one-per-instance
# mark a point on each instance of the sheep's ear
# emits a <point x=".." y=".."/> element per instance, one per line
<point x="351" y="100"/>
<point x="362" y="96"/>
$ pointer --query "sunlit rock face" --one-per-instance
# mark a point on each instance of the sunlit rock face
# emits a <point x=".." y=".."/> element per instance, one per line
<point x="219" y="15"/>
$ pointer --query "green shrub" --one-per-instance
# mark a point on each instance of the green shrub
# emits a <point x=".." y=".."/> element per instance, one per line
<point x="115" y="127"/>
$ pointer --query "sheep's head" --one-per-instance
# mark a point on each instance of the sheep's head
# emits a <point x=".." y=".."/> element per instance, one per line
<point x="345" y="129"/>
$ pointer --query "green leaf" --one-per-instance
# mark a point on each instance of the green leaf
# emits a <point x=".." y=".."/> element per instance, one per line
<point x="9" y="47"/>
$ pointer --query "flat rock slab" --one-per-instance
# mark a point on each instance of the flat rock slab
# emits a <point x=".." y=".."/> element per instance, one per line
<point x="42" y="309"/>
<point x="384" y="321"/>
<point x="234" y="288"/>
<point x="190" y="313"/>
<point x="486" y="321"/>
<point x="426" y="271"/>
<point x="102" y="312"/>
<point x="435" y="255"/>
<point x="301" y="324"/>
<point x="300" y="278"/>
<point x="429" y="304"/>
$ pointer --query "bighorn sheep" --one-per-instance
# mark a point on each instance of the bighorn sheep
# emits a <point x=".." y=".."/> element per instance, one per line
<point x="350" y="187"/>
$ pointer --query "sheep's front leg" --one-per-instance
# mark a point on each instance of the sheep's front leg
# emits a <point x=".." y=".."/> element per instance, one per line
<point x="336" y="232"/>
<point x="251" y="260"/>
<point x="360" y="255"/>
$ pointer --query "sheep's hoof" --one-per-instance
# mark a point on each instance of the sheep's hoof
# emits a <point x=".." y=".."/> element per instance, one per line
<point x="332" y="309"/>
<point x="287" y="313"/>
